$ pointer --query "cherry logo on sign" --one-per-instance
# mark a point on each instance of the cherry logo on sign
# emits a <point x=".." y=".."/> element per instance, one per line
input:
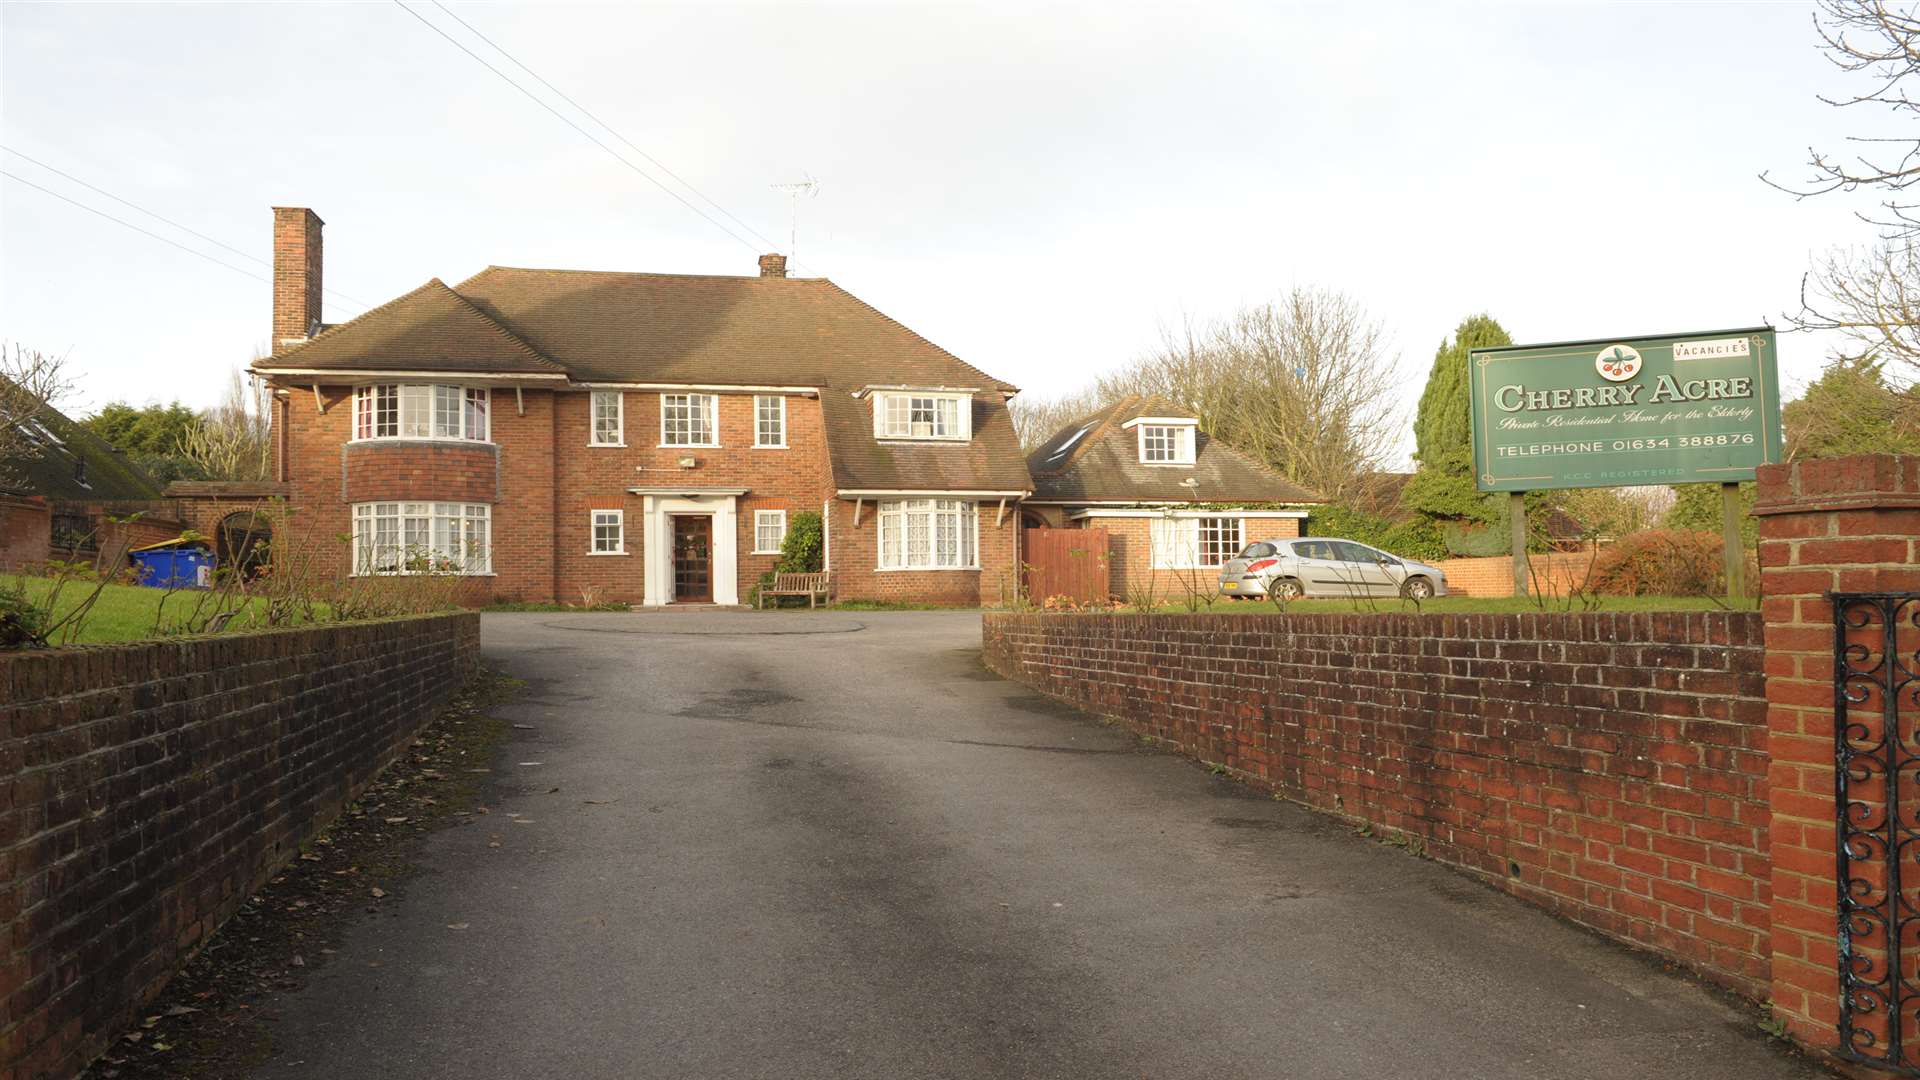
<point x="1617" y="363"/>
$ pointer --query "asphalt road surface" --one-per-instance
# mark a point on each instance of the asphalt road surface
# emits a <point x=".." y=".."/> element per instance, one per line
<point x="797" y="845"/>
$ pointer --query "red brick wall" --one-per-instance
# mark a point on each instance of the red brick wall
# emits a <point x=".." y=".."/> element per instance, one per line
<point x="26" y="531"/>
<point x="856" y="558"/>
<point x="1609" y="767"/>
<point x="401" y="470"/>
<point x="155" y="785"/>
<point x="597" y="478"/>
<point x="1851" y="525"/>
<point x="1551" y="573"/>
<point x="1130" y="554"/>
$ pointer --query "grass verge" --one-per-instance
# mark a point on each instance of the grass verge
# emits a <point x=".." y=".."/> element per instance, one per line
<point x="126" y="612"/>
<point x="213" y="1020"/>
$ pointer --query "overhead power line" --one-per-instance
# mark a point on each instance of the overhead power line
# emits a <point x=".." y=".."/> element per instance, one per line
<point x="588" y="113"/>
<point x="157" y="217"/>
<point x="565" y="119"/>
<point x="135" y="228"/>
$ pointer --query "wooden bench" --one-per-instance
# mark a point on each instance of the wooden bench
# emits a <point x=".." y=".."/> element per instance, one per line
<point x="811" y="586"/>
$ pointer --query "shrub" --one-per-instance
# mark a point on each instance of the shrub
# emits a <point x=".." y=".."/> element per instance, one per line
<point x="1660" y="562"/>
<point x="801" y="552"/>
<point x="1416" y="539"/>
<point x="23" y="625"/>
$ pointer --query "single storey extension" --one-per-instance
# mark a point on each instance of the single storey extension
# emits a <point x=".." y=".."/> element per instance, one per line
<point x="1175" y="503"/>
<point x="637" y="437"/>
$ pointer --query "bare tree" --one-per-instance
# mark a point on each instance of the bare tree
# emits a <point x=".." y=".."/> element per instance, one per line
<point x="1870" y="298"/>
<point x="1304" y="384"/>
<point x="233" y="440"/>
<point x="1036" y="420"/>
<point x="30" y="381"/>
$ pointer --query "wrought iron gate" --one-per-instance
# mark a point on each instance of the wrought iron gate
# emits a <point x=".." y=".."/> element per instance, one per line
<point x="1876" y="683"/>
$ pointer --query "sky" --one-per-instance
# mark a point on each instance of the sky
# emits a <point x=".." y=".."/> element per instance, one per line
<point x="1039" y="188"/>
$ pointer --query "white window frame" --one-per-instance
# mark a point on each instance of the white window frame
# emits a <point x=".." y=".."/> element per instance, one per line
<point x="1182" y="439"/>
<point x="759" y="400"/>
<point x="774" y="515"/>
<point x="893" y="413"/>
<point x="422" y="537"/>
<point x="415" y="412"/>
<point x="1177" y="543"/>
<point x="594" y="400"/>
<point x="942" y="526"/>
<point x="712" y="411"/>
<point x="618" y="519"/>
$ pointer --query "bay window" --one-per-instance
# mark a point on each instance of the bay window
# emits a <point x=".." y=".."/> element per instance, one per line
<point x="928" y="534"/>
<point x="689" y="420"/>
<point x="420" y="411"/>
<point x="422" y="538"/>
<point x="1195" y="543"/>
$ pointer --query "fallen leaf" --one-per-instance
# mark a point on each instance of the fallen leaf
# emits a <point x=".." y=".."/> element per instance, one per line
<point x="396" y="821"/>
<point x="456" y="926"/>
<point x="553" y="791"/>
<point x="533" y="763"/>
<point x="310" y="858"/>
<point x="181" y="1010"/>
<point x="378" y="892"/>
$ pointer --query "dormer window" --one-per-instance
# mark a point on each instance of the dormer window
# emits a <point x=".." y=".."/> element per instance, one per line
<point x="1166" y="444"/>
<point x="915" y="415"/>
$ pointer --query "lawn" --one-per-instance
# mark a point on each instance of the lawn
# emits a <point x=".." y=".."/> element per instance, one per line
<point x="1463" y="604"/>
<point x="122" y="612"/>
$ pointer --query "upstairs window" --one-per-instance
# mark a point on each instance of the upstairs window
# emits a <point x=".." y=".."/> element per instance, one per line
<point x="1166" y="444"/>
<point x="689" y="420"/>
<point x="417" y="411"/>
<point x="769" y="420"/>
<point x="609" y="419"/>
<point x="922" y="416"/>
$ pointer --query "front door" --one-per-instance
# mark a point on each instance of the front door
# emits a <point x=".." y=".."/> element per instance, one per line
<point x="692" y="558"/>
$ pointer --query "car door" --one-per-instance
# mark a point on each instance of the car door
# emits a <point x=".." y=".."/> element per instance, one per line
<point x="1321" y="572"/>
<point x="1365" y="565"/>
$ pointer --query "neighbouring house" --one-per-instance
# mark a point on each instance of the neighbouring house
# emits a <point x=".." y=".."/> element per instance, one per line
<point x="76" y="497"/>
<point x="642" y="437"/>
<point x="1175" y="503"/>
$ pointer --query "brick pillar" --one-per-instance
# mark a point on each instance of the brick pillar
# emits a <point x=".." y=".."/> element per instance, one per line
<point x="1843" y="524"/>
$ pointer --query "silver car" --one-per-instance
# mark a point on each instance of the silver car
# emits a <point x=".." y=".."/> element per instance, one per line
<point x="1325" y="566"/>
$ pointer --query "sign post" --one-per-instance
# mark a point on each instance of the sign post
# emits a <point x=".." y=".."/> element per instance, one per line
<point x="1622" y="412"/>
<point x="1517" y="513"/>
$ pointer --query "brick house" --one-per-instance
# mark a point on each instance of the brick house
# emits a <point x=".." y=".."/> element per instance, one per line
<point x="1175" y="502"/>
<point x="638" y="437"/>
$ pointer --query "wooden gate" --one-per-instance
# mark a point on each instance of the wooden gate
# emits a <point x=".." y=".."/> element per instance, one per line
<point x="1066" y="562"/>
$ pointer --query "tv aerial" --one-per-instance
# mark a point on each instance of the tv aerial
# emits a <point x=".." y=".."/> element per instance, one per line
<point x="810" y="187"/>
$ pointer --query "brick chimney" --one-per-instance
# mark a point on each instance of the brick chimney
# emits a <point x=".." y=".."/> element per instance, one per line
<point x="296" y="274"/>
<point x="773" y="266"/>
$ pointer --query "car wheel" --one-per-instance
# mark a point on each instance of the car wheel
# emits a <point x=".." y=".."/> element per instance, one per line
<point x="1284" y="589"/>
<point x="1417" y="589"/>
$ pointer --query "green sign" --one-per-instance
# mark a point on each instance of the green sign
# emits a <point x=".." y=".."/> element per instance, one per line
<point x="1681" y="409"/>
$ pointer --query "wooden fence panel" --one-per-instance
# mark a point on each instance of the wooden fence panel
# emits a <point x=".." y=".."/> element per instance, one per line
<point x="1067" y="562"/>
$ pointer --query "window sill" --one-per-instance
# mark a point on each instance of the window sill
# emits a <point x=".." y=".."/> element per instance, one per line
<point x="914" y="440"/>
<point x="923" y="569"/>
<point x="623" y="552"/>
<point x="690" y="446"/>
<point x="606" y="446"/>
<point x="771" y="446"/>
<point x="775" y="551"/>
<point x="1168" y="464"/>
<point x="389" y="439"/>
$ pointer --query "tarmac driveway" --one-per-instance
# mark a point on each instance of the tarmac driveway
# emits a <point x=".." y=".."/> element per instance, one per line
<point x="830" y="844"/>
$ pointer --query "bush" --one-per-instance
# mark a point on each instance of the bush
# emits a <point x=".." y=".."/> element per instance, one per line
<point x="801" y="553"/>
<point x="1660" y="562"/>
<point x="1416" y="539"/>
<point x="23" y="625"/>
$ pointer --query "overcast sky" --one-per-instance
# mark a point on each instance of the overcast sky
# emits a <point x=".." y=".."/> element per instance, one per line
<point x="1038" y="188"/>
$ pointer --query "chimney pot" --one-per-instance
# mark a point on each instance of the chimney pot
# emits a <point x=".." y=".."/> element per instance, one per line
<point x="773" y="266"/>
<point x="296" y="274"/>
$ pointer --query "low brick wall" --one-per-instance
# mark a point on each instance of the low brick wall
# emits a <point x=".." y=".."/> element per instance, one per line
<point x="1552" y="573"/>
<point x="149" y="788"/>
<point x="1610" y="767"/>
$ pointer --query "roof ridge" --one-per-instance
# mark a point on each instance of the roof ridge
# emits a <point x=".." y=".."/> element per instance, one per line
<point x="329" y="331"/>
<point x="631" y="273"/>
<point x="428" y="286"/>
<point x="915" y="334"/>
<point x="1103" y="415"/>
